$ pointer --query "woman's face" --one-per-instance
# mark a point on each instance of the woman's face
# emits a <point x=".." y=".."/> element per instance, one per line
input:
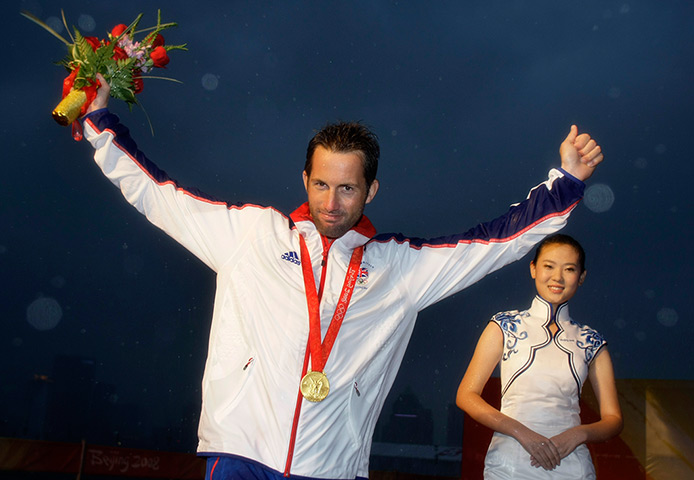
<point x="557" y="273"/>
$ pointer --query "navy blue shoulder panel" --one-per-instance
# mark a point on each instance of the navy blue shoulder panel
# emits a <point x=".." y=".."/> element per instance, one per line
<point x="542" y="204"/>
<point x="104" y="120"/>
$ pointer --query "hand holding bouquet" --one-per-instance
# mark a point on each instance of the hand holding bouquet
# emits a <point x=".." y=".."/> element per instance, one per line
<point x="120" y="58"/>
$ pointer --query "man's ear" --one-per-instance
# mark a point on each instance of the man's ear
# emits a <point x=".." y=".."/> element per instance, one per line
<point x="373" y="189"/>
<point x="303" y="174"/>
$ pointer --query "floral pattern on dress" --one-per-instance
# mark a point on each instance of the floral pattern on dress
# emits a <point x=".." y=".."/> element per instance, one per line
<point x="510" y="325"/>
<point x="591" y="343"/>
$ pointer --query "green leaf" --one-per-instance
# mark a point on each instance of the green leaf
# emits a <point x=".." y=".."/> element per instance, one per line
<point x="40" y="23"/>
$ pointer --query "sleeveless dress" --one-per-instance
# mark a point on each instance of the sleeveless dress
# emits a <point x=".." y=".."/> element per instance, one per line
<point x="541" y="380"/>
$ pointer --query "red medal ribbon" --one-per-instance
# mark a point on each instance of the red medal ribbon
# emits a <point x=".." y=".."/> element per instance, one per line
<point x="320" y="351"/>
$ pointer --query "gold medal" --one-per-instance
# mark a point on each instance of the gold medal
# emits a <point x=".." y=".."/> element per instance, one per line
<point x="315" y="386"/>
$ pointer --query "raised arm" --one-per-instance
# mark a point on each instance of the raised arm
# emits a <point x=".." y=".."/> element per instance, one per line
<point x="601" y="376"/>
<point x="469" y="398"/>
<point x="210" y="228"/>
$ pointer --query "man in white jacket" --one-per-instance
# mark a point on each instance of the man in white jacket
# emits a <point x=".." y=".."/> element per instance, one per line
<point x="283" y="394"/>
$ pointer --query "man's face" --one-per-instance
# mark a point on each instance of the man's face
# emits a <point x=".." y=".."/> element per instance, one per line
<point x="337" y="191"/>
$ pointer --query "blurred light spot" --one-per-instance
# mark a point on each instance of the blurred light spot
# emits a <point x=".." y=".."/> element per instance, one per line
<point x="599" y="198"/>
<point x="17" y="342"/>
<point x="210" y="81"/>
<point x="3" y="249"/>
<point x="393" y="133"/>
<point x="620" y="323"/>
<point x="86" y="22"/>
<point x="667" y="317"/>
<point x="55" y="23"/>
<point x="641" y="163"/>
<point x="640" y="335"/>
<point x="58" y="281"/>
<point x="44" y="313"/>
<point x="660" y="149"/>
<point x="625" y="8"/>
<point x="614" y="92"/>
<point x="650" y="294"/>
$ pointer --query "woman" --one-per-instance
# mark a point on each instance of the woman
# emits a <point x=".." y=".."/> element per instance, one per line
<point x="545" y="357"/>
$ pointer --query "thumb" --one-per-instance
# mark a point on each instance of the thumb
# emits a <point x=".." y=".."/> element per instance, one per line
<point x="573" y="133"/>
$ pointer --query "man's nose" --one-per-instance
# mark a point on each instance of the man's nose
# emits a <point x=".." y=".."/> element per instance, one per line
<point x="331" y="201"/>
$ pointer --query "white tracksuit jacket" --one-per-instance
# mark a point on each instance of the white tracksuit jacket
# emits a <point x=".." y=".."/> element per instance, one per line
<point x="259" y="334"/>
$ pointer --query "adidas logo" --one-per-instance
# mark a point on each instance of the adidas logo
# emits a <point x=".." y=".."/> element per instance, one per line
<point x="291" y="257"/>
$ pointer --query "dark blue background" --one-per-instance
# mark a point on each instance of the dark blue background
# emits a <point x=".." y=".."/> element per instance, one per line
<point x="470" y="100"/>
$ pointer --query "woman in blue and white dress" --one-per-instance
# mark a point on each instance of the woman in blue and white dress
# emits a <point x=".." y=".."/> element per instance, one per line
<point x="545" y="356"/>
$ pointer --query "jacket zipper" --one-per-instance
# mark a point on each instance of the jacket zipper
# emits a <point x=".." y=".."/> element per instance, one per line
<point x="297" y="410"/>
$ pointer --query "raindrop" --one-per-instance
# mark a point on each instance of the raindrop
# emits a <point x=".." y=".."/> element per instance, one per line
<point x="44" y="313"/>
<point x="55" y="23"/>
<point x="210" y="81"/>
<point x="599" y="198"/>
<point x="86" y="22"/>
<point x="667" y="317"/>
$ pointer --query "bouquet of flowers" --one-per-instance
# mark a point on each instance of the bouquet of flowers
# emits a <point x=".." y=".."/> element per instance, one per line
<point x="119" y="57"/>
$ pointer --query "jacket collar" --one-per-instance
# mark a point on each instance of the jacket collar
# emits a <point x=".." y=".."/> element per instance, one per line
<point x="358" y="235"/>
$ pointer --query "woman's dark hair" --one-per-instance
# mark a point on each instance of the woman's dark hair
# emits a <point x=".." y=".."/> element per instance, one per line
<point x="561" y="239"/>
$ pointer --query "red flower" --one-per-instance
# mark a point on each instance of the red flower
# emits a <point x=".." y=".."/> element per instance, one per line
<point x="138" y="85"/>
<point x="93" y="42"/>
<point x="118" y="29"/>
<point x="159" y="57"/>
<point x="158" y="41"/>
<point x="119" y="54"/>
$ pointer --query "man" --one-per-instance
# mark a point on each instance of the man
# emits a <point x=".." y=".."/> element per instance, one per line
<point x="283" y="393"/>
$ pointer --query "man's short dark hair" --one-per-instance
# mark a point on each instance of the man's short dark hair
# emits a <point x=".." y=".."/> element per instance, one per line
<point x="346" y="137"/>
